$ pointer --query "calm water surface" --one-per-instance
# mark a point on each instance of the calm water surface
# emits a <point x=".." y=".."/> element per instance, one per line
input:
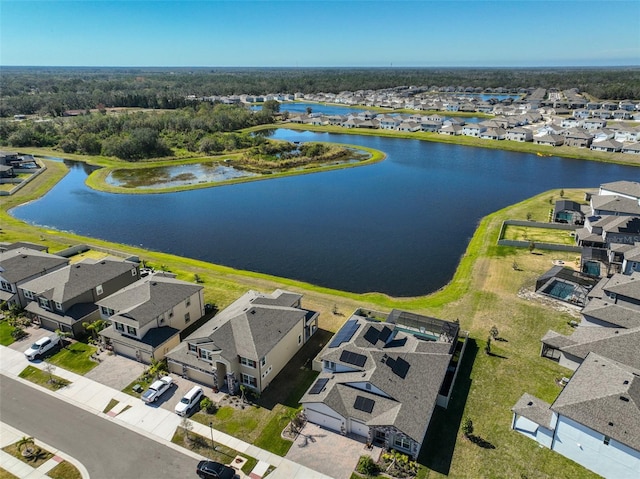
<point x="399" y="226"/>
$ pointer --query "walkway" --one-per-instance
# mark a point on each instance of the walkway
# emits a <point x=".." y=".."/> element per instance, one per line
<point x="154" y="422"/>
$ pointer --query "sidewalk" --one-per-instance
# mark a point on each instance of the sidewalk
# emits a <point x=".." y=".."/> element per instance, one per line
<point x="155" y="423"/>
<point x="10" y="435"/>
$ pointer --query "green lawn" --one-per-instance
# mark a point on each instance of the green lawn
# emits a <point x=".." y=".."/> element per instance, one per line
<point x="270" y="438"/>
<point x="5" y="333"/>
<point x="38" y="459"/>
<point x="35" y="375"/>
<point x="4" y="474"/>
<point x="75" y="358"/>
<point x="65" y="470"/>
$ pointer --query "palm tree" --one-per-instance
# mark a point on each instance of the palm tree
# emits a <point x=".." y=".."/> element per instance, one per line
<point x="26" y="446"/>
<point x="63" y="335"/>
<point x="95" y="327"/>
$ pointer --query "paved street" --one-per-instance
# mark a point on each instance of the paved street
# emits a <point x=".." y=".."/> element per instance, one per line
<point x="106" y="449"/>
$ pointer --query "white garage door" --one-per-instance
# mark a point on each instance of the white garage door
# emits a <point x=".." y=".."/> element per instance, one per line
<point x="323" y="420"/>
<point x="359" y="428"/>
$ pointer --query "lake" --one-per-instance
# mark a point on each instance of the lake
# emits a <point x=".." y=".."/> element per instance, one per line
<point x="398" y="226"/>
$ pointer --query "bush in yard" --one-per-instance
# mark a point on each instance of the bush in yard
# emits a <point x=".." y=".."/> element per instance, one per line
<point x="366" y="465"/>
<point x="467" y="427"/>
<point x="207" y="405"/>
<point x="18" y="334"/>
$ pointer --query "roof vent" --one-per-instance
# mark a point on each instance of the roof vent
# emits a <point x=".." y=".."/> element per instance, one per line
<point x="623" y="398"/>
<point x="77" y="266"/>
<point x="610" y="424"/>
<point x="625" y="382"/>
<point x="103" y="262"/>
<point x="530" y="403"/>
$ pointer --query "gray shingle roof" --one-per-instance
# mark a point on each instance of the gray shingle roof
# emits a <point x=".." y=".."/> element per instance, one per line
<point x="534" y="409"/>
<point x="604" y="395"/>
<point x="620" y="345"/>
<point x="22" y="263"/>
<point x="409" y="372"/>
<point x="630" y="188"/>
<point x="607" y="310"/>
<point x="248" y="328"/>
<point x="615" y="203"/>
<point x="149" y="297"/>
<point x="73" y="280"/>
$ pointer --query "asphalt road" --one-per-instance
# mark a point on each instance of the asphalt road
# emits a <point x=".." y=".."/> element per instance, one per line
<point x="106" y="449"/>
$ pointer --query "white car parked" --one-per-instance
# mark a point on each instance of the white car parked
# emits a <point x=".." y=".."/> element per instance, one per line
<point x="188" y="402"/>
<point x="157" y="389"/>
<point x="41" y="346"/>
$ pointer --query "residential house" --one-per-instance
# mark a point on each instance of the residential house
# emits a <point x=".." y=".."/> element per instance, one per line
<point x="409" y="126"/>
<point x="248" y="343"/>
<point x="610" y="146"/>
<point x="473" y="129"/>
<point x="594" y="421"/>
<point x="624" y="188"/>
<point x="567" y="211"/>
<point x="594" y="124"/>
<point x="494" y="134"/>
<point x="451" y="130"/>
<point x="382" y="380"/>
<point x="633" y="149"/>
<point x="20" y="265"/>
<point x="578" y="138"/>
<point x="519" y="134"/>
<point x="66" y="298"/>
<point x="148" y="316"/>
<point x="550" y="140"/>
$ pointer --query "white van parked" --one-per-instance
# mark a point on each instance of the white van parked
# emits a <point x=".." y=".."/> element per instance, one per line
<point x="189" y="400"/>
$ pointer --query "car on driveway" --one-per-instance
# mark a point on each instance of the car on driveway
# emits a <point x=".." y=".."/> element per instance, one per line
<point x="41" y="346"/>
<point x="157" y="389"/>
<point x="215" y="470"/>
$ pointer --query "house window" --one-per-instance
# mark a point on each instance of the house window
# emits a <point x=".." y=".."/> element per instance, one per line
<point x="187" y="318"/>
<point x="99" y="290"/>
<point x="106" y="311"/>
<point x="263" y="361"/>
<point x="58" y="306"/>
<point x="119" y="326"/>
<point x="134" y="272"/>
<point x="171" y="314"/>
<point x="28" y="294"/>
<point x="248" y="362"/>
<point x="299" y="338"/>
<point x="330" y="365"/>
<point x="44" y="303"/>
<point x="204" y="354"/>
<point x="248" y="380"/>
<point x="606" y="440"/>
<point x="402" y="442"/>
<point x="6" y="286"/>
<point x="131" y="330"/>
<point x="187" y="303"/>
<point x="367" y="386"/>
<point x="193" y="348"/>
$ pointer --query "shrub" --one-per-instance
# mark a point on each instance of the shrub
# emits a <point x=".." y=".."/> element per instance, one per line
<point x="467" y="427"/>
<point x="208" y="405"/>
<point x="18" y="334"/>
<point x="366" y="465"/>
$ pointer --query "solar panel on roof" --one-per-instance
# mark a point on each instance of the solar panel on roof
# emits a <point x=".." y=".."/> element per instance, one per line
<point x="400" y="367"/>
<point x="384" y="334"/>
<point x="345" y="334"/>
<point x="319" y="386"/>
<point x="372" y="335"/>
<point x="364" y="404"/>
<point x="353" y="358"/>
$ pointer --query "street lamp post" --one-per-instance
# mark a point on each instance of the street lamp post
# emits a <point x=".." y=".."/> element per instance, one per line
<point x="211" y="428"/>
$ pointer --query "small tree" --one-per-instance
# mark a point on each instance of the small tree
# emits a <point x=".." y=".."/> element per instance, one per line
<point x="494" y="332"/>
<point x="467" y="427"/>
<point x="561" y="193"/>
<point x="26" y="446"/>
<point x="207" y="405"/>
<point x="50" y="369"/>
<point x="63" y="335"/>
<point x="532" y="246"/>
<point x="366" y="465"/>
<point x="529" y="216"/>
<point x="515" y="265"/>
<point x="187" y="426"/>
<point x="487" y="347"/>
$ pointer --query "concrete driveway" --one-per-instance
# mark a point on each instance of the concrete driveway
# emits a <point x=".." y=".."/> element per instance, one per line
<point x="314" y="446"/>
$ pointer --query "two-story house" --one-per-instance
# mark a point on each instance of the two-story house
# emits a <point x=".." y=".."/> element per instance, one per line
<point x="248" y="343"/>
<point x="65" y="299"/>
<point x="17" y="266"/>
<point x="147" y="316"/>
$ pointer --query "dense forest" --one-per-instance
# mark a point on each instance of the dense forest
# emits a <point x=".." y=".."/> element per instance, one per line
<point x="51" y="91"/>
<point x="202" y="127"/>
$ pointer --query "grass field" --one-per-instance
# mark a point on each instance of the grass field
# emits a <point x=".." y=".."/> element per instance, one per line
<point x="538" y="235"/>
<point x="5" y="333"/>
<point x="76" y="358"/>
<point x="482" y="293"/>
<point x="42" y="378"/>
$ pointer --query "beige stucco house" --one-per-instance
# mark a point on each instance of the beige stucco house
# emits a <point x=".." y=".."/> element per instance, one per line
<point x="248" y="343"/>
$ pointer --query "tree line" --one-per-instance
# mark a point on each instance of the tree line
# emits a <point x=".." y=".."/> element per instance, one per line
<point x="199" y="128"/>
<point x="51" y="91"/>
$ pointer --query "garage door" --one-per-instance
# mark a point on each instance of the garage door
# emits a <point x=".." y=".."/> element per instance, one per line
<point x="323" y="420"/>
<point x="359" y="428"/>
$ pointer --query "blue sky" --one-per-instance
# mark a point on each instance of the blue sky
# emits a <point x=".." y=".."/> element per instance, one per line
<point x="320" y="33"/>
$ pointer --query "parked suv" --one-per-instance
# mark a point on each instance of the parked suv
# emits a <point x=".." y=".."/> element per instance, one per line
<point x="41" y="346"/>
<point x="189" y="401"/>
<point x="157" y="389"/>
<point x="215" y="470"/>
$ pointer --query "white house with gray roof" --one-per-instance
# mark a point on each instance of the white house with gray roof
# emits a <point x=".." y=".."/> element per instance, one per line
<point x="594" y="421"/>
<point x="147" y="316"/>
<point x="19" y="265"/>
<point x="66" y="298"/>
<point x="248" y="343"/>
<point x="382" y="380"/>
